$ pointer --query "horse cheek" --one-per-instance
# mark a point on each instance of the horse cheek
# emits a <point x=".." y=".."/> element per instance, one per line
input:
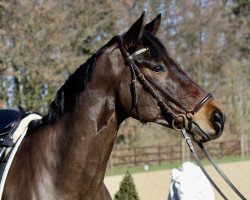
<point x="149" y="111"/>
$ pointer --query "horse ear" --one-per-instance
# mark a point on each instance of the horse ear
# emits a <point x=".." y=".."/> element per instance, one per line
<point x="135" y="31"/>
<point x="154" y="25"/>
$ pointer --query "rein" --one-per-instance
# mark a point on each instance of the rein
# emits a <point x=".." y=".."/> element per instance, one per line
<point x="152" y="86"/>
<point x="211" y="160"/>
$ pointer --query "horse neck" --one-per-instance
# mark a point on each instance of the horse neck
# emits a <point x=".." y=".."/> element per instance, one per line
<point x="85" y="138"/>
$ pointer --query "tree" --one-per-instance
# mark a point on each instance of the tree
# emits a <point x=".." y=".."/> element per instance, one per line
<point x="43" y="43"/>
<point x="127" y="190"/>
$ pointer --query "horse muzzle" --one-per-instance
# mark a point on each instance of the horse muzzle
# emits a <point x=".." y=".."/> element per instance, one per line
<point x="208" y="126"/>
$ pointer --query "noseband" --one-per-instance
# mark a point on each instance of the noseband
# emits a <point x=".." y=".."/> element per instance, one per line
<point x="154" y="88"/>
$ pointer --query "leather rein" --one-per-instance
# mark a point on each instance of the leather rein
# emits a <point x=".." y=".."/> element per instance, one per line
<point x="154" y="88"/>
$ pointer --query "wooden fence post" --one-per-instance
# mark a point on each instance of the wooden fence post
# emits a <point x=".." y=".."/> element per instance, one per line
<point x="242" y="149"/>
<point x="134" y="151"/>
<point x="243" y="146"/>
<point x="159" y="155"/>
<point x="110" y="163"/>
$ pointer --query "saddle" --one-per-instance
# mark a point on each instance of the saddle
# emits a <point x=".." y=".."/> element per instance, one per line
<point x="13" y="129"/>
<point x="9" y="121"/>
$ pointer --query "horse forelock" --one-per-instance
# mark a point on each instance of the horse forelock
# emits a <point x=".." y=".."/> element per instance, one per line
<point x="157" y="49"/>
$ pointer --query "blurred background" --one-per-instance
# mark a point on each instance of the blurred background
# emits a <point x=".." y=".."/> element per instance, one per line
<point x="43" y="41"/>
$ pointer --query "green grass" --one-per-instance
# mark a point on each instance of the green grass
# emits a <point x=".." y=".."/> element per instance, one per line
<point x="169" y="165"/>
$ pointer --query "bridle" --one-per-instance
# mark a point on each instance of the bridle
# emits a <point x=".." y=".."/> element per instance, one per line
<point x="154" y="90"/>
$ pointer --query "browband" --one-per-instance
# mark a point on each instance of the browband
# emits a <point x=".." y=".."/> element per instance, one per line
<point x="137" y="53"/>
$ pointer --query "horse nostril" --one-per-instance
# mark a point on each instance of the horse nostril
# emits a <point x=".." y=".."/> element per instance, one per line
<point x="217" y="117"/>
<point x="218" y="120"/>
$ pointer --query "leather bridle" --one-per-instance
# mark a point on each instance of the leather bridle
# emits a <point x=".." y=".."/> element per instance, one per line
<point x="154" y="90"/>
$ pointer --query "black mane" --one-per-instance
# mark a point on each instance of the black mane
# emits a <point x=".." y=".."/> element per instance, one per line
<point x="68" y="93"/>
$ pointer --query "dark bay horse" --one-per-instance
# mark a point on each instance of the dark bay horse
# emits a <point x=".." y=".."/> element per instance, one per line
<point x="65" y="154"/>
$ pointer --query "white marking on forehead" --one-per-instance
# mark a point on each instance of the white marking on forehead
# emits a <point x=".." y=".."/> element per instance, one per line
<point x="137" y="53"/>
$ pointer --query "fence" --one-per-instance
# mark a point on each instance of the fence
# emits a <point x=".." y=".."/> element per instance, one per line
<point x="175" y="152"/>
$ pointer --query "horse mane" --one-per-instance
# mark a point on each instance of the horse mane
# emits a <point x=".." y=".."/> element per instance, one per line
<point x="68" y="93"/>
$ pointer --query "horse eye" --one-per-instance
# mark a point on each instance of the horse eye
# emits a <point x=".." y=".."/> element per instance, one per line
<point x="158" y="68"/>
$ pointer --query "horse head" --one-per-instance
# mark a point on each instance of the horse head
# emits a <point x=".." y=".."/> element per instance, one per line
<point x="154" y="88"/>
